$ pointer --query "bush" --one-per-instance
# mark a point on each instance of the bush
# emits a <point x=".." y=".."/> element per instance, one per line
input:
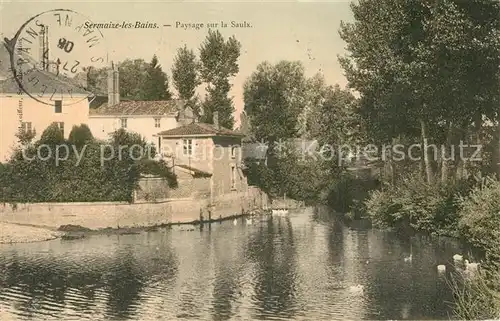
<point x="286" y="174"/>
<point x="78" y="176"/>
<point x="158" y="168"/>
<point x="382" y="209"/>
<point x="80" y="135"/>
<point x="480" y="219"/>
<point x="413" y="203"/>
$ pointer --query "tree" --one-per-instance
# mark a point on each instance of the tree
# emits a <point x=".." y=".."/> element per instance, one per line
<point x="423" y="68"/>
<point x="155" y="86"/>
<point x="185" y="77"/>
<point x="52" y="135"/>
<point x="277" y="100"/>
<point x="274" y="97"/>
<point x="245" y="126"/>
<point x="26" y="137"/>
<point x="80" y="135"/>
<point x="133" y="75"/>
<point x="219" y="62"/>
<point x="93" y="79"/>
<point x="334" y="122"/>
<point x="138" y="79"/>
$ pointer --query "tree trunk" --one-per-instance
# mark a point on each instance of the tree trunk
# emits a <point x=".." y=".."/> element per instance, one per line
<point x="459" y="162"/>
<point x="444" y="158"/>
<point x="392" y="172"/>
<point x="392" y="166"/>
<point x="498" y="149"/>
<point x="478" y="122"/>
<point x="421" y="166"/>
<point x="427" y="162"/>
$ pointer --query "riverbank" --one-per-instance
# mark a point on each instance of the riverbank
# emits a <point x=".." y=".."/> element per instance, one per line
<point x="16" y="233"/>
<point x="20" y="233"/>
<point x="69" y="221"/>
<point x="116" y="215"/>
<point x="24" y="233"/>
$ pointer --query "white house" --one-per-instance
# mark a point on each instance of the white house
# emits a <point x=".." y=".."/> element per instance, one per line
<point x="146" y="118"/>
<point x="21" y="113"/>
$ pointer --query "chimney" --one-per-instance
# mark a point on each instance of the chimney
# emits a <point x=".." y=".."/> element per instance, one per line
<point x="216" y="119"/>
<point x="116" y="79"/>
<point x="53" y="67"/>
<point x="113" y="85"/>
<point x="44" y="47"/>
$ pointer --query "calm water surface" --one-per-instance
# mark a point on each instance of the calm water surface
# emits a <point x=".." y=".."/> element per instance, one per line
<point x="299" y="267"/>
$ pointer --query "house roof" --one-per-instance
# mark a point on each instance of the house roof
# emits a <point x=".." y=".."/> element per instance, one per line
<point x="199" y="129"/>
<point x="9" y="85"/>
<point x="4" y="62"/>
<point x="138" y="107"/>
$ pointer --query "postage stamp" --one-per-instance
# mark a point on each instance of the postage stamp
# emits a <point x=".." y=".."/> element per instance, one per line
<point x="49" y="50"/>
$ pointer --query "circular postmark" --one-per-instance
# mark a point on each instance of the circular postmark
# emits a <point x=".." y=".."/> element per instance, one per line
<point x="50" y="54"/>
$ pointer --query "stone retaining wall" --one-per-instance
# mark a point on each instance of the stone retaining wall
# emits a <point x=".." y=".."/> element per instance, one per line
<point x="156" y="189"/>
<point x="99" y="215"/>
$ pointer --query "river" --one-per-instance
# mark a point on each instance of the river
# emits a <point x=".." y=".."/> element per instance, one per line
<point x="307" y="266"/>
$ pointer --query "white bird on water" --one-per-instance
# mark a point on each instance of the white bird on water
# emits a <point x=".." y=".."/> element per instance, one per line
<point x="235" y="222"/>
<point x="408" y="259"/>
<point x="356" y="288"/>
<point x="441" y="268"/>
<point x="249" y="221"/>
<point x="280" y="212"/>
<point x="471" y="267"/>
<point x="458" y="257"/>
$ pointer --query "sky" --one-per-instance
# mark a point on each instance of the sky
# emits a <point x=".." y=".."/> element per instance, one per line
<point x="306" y="31"/>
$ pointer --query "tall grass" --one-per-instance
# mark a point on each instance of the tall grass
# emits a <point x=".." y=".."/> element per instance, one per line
<point x="476" y="297"/>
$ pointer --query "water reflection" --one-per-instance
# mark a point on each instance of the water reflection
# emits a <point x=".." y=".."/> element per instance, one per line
<point x="124" y="283"/>
<point x="273" y="253"/>
<point x="304" y="266"/>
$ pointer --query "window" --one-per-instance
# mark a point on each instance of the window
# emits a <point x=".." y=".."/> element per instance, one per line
<point x="26" y="127"/>
<point x="58" y="106"/>
<point x="123" y="122"/>
<point x="187" y="147"/>
<point x="157" y="122"/>
<point x="233" y="151"/>
<point x="233" y="177"/>
<point x="61" y="127"/>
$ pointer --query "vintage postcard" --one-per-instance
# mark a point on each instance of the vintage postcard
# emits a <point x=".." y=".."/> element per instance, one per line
<point x="244" y="160"/>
